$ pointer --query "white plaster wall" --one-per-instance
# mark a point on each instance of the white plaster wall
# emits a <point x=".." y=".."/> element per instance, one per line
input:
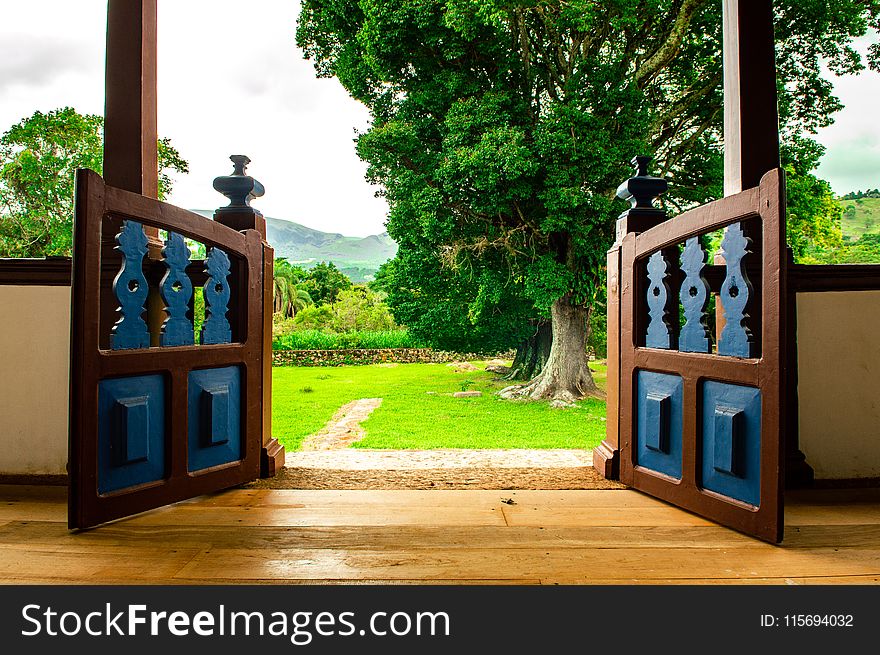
<point x="34" y="364"/>
<point x="839" y="383"/>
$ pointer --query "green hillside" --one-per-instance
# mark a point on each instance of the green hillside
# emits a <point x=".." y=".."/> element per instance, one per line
<point x="358" y="257"/>
<point x="860" y="216"/>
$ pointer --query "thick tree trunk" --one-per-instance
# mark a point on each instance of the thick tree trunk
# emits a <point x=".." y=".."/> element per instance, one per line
<point x="566" y="376"/>
<point x="532" y="353"/>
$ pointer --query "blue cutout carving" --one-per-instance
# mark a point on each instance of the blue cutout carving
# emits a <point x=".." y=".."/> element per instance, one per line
<point x="216" y="327"/>
<point x="736" y="338"/>
<point x="660" y="333"/>
<point x="694" y="294"/>
<point x="177" y="291"/>
<point x="130" y="288"/>
<point x="131" y="432"/>
<point x="659" y="402"/>
<point x="731" y="441"/>
<point x="215" y="434"/>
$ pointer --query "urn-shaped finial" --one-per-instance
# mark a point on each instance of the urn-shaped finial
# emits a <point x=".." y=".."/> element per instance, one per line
<point x="642" y="189"/>
<point x="239" y="187"/>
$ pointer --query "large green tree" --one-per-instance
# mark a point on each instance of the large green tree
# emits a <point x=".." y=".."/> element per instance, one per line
<point x="500" y="129"/>
<point x="38" y="160"/>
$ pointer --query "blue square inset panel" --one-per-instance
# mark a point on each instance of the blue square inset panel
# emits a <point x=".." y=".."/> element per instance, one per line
<point x="659" y="400"/>
<point x="214" y="417"/>
<point x="731" y="450"/>
<point x="131" y="432"/>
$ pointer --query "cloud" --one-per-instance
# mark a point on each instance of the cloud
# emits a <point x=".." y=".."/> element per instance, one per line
<point x="31" y="62"/>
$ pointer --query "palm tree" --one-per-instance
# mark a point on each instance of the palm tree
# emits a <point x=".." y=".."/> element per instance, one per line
<point x="289" y="295"/>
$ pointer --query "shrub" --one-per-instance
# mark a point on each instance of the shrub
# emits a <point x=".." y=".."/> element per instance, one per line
<point x="360" y="340"/>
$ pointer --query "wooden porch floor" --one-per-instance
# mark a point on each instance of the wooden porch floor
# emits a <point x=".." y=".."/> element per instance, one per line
<point x="459" y="537"/>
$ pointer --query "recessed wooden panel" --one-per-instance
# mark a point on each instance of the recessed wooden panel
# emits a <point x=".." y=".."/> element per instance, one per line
<point x="659" y="418"/>
<point x="214" y="417"/>
<point x="731" y="452"/>
<point x="131" y="432"/>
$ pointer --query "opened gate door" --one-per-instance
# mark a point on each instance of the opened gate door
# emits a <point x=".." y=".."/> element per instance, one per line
<point x="701" y="423"/>
<point x="166" y="394"/>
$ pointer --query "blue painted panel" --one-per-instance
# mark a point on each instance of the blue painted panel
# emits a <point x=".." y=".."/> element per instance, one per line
<point x="214" y="417"/>
<point x="216" y="327"/>
<point x="731" y="444"/>
<point x="131" y="432"/>
<point x="659" y="422"/>
<point x="177" y="291"/>
<point x="131" y="289"/>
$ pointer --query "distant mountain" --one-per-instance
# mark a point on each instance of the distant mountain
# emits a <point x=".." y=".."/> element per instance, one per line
<point x="357" y="257"/>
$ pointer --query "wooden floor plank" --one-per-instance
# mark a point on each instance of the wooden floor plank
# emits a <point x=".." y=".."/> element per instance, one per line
<point x="599" y="516"/>
<point x="455" y="537"/>
<point x="318" y="516"/>
<point x="53" y="535"/>
<point x="16" y="510"/>
<point x="838" y="514"/>
<point x="94" y="565"/>
<point x="529" y="563"/>
<point x="817" y="580"/>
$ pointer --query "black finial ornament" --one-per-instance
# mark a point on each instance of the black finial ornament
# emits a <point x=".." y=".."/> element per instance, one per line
<point x="239" y="187"/>
<point x="643" y="189"/>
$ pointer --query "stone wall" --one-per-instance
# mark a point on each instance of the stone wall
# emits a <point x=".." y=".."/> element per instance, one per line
<point x="371" y="356"/>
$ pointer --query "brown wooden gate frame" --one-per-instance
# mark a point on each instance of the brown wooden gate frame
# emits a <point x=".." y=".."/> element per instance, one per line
<point x="99" y="209"/>
<point x="767" y="372"/>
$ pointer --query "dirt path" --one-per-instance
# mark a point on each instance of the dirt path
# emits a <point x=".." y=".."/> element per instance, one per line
<point x="356" y="468"/>
<point x="344" y="428"/>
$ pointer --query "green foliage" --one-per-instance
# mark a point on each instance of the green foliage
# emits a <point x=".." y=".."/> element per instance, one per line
<point x="865" y="250"/>
<point x="314" y="317"/>
<point x="289" y="293"/>
<point x="410" y="417"/>
<point x="859" y="195"/>
<point x="813" y="215"/>
<point x="324" y="282"/>
<point x="477" y="311"/>
<point x="360" y="308"/>
<point x="362" y="339"/>
<point x="38" y="161"/>
<point x="500" y="131"/>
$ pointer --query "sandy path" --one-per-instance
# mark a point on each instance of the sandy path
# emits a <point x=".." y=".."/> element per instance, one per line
<point x="344" y="428"/>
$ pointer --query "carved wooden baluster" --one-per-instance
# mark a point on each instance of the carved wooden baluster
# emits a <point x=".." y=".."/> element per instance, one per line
<point x="736" y="338"/>
<point x="660" y="333"/>
<point x="216" y="327"/>
<point x="130" y="288"/>
<point x="177" y="290"/>
<point x="694" y="295"/>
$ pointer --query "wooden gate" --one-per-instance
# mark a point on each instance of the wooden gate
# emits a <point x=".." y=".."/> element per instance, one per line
<point x="702" y="418"/>
<point x="164" y="411"/>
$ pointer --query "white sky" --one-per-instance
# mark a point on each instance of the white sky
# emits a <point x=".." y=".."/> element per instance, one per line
<point x="231" y="81"/>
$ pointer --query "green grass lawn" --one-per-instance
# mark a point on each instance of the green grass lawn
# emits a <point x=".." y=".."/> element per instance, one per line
<point x="418" y="410"/>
